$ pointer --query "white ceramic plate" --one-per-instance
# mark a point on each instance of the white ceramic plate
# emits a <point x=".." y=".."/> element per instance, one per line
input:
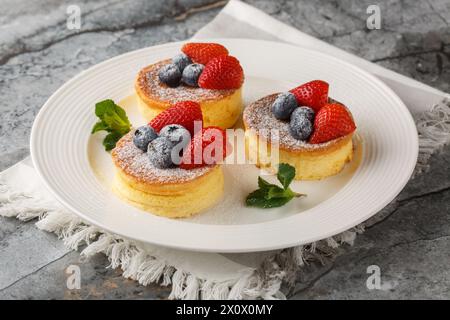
<point x="78" y="171"/>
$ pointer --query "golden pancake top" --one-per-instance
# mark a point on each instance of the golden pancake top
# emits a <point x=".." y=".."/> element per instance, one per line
<point x="258" y="116"/>
<point x="149" y="86"/>
<point x="135" y="163"/>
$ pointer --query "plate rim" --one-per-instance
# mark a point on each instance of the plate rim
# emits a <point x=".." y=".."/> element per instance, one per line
<point x="408" y="171"/>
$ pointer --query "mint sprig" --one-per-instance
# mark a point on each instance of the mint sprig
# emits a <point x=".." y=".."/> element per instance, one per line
<point x="114" y="120"/>
<point x="271" y="195"/>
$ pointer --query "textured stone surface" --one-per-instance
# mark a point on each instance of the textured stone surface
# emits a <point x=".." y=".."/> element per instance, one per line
<point x="410" y="247"/>
<point x="38" y="54"/>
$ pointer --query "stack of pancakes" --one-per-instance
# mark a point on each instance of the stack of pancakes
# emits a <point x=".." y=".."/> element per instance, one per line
<point x="311" y="161"/>
<point x="172" y="192"/>
<point x="220" y="108"/>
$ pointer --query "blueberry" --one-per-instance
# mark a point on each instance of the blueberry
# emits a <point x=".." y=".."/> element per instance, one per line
<point x="307" y="111"/>
<point x="179" y="136"/>
<point x="170" y="75"/>
<point x="191" y="74"/>
<point x="176" y="134"/>
<point x="300" y="126"/>
<point x="181" y="61"/>
<point x="283" y="105"/>
<point x="159" y="152"/>
<point x="143" y="136"/>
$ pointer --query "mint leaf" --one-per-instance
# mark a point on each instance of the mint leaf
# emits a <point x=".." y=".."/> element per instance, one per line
<point x="112" y="119"/>
<point x="110" y="140"/>
<point x="286" y="174"/>
<point x="258" y="199"/>
<point x="270" y="195"/>
<point x="99" y="126"/>
<point x="113" y="116"/>
<point x="271" y="190"/>
<point x="263" y="184"/>
<point x="277" y="202"/>
<point x="276" y="192"/>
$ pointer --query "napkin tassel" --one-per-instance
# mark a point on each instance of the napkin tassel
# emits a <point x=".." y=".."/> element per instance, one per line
<point x="434" y="133"/>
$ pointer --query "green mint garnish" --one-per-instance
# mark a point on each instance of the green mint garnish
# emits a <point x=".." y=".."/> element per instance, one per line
<point x="114" y="120"/>
<point x="270" y="195"/>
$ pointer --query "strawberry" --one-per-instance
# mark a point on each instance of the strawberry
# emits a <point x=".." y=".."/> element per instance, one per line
<point x="331" y="122"/>
<point x="312" y="94"/>
<point x="198" y="154"/>
<point x="203" y="52"/>
<point x="224" y="72"/>
<point x="184" y="113"/>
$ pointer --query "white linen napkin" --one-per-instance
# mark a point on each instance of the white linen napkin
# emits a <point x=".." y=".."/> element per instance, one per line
<point x="208" y="275"/>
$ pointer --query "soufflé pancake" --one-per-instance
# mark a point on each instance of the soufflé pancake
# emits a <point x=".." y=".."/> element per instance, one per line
<point x="202" y="72"/>
<point x="170" y="192"/>
<point x="313" y="133"/>
<point x="158" y="168"/>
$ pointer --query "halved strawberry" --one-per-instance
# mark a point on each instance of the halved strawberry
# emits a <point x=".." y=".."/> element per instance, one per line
<point x="312" y="94"/>
<point x="203" y="52"/>
<point x="207" y="147"/>
<point x="331" y="122"/>
<point x="224" y="72"/>
<point x="184" y="113"/>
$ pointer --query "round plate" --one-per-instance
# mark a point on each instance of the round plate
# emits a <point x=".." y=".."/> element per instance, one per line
<point x="78" y="171"/>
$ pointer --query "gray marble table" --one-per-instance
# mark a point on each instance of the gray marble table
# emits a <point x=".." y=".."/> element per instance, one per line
<point x="38" y="53"/>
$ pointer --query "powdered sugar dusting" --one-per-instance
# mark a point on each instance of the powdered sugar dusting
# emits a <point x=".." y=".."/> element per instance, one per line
<point x="258" y="116"/>
<point x="135" y="163"/>
<point x="149" y="83"/>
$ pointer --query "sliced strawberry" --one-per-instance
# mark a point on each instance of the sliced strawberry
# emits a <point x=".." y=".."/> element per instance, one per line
<point x="224" y="72"/>
<point x="312" y="94"/>
<point x="331" y="122"/>
<point x="184" y="113"/>
<point x="203" y="52"/>
<point x="204" y="148"/>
